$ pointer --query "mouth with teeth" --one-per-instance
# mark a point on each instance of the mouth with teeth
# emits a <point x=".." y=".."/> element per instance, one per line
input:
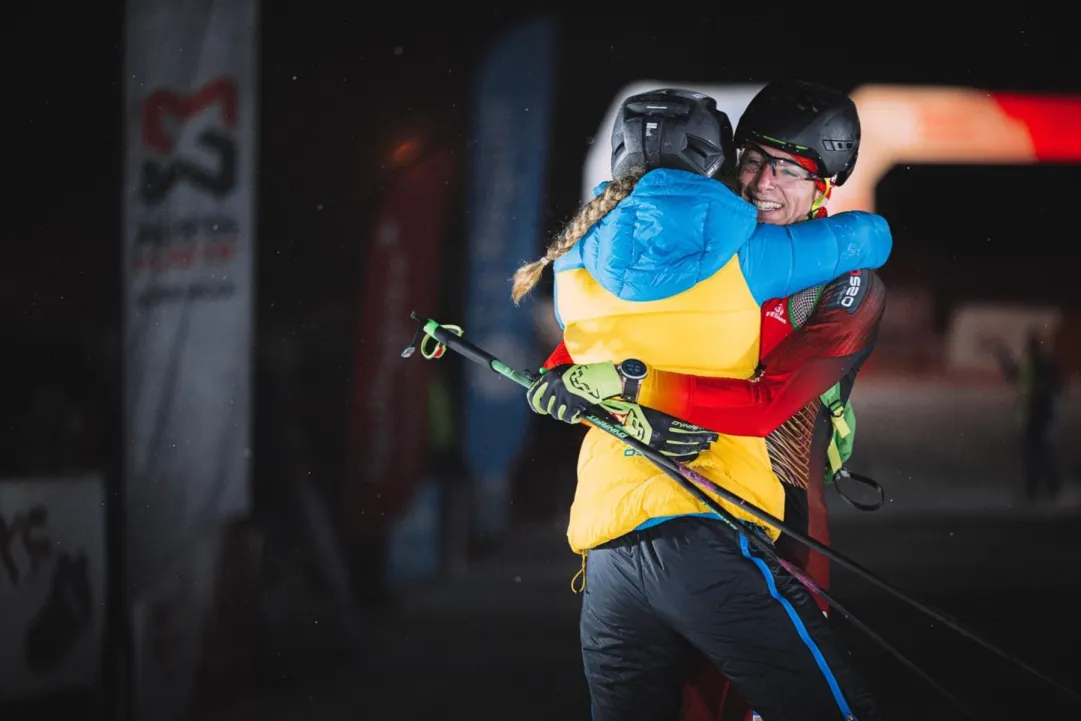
<point x="765" y="206"/>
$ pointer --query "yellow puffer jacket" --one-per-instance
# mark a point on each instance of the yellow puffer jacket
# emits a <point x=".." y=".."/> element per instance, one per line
<point x="675" y="276"/>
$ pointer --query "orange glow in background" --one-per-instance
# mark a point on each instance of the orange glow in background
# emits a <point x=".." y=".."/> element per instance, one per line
<point x="907" y="125"/>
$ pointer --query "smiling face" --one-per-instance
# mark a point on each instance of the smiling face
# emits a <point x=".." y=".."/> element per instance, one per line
<point x="777" y="184"/>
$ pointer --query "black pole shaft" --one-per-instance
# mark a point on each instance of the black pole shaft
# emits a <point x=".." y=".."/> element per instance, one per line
<point x="678" y="473"/>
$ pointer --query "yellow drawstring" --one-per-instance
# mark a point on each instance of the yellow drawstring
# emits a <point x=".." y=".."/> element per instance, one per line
<point x="581" y="574"/>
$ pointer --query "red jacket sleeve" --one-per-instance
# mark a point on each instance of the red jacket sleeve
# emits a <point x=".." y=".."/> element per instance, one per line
<point x="840" y="332"/>
<point x="559" y="357"/>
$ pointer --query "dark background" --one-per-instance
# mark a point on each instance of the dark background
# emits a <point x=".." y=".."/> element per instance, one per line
<point x="343" y="86"/>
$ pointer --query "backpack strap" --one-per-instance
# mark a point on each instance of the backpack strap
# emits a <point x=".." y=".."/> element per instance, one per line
<point x="838" y="452"/>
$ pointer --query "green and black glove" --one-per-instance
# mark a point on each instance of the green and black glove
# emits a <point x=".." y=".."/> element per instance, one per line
<point x="679" y="440"/>
<point x="567" y="391"/>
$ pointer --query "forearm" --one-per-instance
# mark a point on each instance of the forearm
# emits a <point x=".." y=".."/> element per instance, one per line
<point x="837" y="337"/>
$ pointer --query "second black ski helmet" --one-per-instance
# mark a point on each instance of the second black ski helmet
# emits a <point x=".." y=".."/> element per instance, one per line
<point x="671" y="128"/>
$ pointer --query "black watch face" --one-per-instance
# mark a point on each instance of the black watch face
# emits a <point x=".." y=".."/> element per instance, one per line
<point x="633" y="368"/>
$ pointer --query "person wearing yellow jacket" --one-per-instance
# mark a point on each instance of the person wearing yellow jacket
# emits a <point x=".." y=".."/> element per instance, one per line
<point x="666" y="269"/>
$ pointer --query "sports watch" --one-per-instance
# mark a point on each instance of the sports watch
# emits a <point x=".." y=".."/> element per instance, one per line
<point x="633" y="372"/>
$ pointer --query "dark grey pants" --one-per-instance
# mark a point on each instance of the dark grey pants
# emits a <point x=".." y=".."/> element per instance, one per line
<point x="653" y="594"/>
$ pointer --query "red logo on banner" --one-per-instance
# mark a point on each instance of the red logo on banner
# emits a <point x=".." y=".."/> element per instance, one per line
<point x="162" y="103"/>
<point x="217" y="179"/>
<point x="180" y="243"/>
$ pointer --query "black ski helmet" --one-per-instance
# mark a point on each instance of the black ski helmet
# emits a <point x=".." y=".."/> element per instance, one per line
<point x="808" y="120"/>
<point x="671" y="128"/>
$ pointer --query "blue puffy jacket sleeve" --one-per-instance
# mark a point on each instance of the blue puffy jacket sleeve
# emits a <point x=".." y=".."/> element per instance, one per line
<point x="779" y="260"/>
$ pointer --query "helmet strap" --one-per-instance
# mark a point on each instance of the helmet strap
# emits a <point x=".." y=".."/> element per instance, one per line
<point x="818" y="208"/>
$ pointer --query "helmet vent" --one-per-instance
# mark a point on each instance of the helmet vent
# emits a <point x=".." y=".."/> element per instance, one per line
<point x="838" y="144"/>
<point x="703" y="153"/>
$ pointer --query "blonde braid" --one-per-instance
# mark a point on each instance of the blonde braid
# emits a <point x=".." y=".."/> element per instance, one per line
<point x="589" y="215"/>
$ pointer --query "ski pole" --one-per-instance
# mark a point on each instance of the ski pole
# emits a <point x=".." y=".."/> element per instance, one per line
<point x="693" y="482"/>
